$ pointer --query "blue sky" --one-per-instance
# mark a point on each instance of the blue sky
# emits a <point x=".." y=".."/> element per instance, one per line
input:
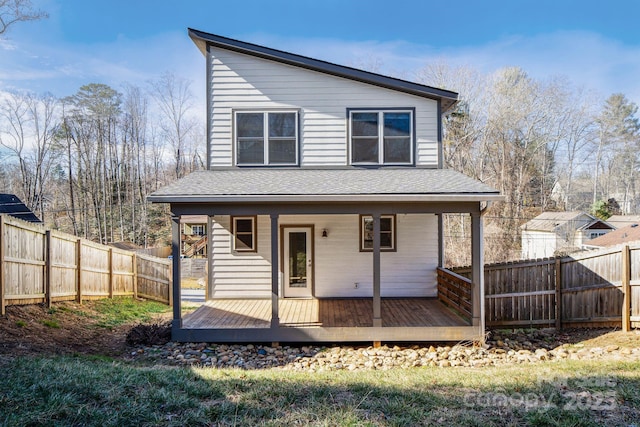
<point x="593" y="43"/>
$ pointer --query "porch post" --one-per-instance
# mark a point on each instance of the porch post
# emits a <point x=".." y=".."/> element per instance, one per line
<point x="477" y="270"/>
<point x="275" y="321"/>
<point x="377" y="310"/>
<point x="175" y="253"/>
<point x="440" y="241"/>
<point x="209" y="269"/>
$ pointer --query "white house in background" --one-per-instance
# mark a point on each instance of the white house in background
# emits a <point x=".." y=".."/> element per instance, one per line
<point x="325" y="191"/>
<point x="552" y="232"/>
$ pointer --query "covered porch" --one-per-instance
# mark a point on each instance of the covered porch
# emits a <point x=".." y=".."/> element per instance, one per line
<point x="374" y="193"/>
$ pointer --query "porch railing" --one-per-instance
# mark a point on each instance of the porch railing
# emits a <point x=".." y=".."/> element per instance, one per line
<point x="455" y="291"/>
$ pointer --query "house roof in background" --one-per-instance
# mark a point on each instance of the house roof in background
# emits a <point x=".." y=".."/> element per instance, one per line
<point x="630" y="233"/>
<point x="10" y="204"/>
<point x="330" y="185"/>
<point x="549" y="221"/>
<point x="202" y="39"/>
<point x="620" y="221"/>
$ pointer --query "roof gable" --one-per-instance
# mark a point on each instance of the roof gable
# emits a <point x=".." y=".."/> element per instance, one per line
<point x="626" y="234"/>
<point x="202" y="39"/>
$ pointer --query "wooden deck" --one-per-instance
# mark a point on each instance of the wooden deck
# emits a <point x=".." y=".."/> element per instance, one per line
<point x="322" y="313"/>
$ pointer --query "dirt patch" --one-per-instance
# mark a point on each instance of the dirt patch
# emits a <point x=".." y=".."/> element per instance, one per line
<point x="66" y="328"/>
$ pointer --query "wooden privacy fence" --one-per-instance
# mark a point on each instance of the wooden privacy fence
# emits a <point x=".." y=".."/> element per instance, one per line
<point x="594" y="289"/>
<point x="39" y="265"/>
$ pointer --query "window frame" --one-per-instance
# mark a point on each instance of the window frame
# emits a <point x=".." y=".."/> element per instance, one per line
<point x="265" y="137"/>
<point x="253" y="233"/>
<point x="393" y="232"/>
<point x="381" y="137"/>
<point x="198" y="226"/>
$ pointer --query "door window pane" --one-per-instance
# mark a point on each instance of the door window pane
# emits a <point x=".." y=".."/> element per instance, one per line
<point x="298" y="259"/>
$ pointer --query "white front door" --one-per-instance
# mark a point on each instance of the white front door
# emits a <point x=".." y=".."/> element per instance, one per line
<point x="298" y="262"/>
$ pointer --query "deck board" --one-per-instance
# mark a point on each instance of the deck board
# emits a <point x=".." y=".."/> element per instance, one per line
<point x="356" y="312"/>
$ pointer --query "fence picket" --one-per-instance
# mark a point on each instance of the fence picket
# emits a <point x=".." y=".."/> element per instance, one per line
<point x="42" y="266"/>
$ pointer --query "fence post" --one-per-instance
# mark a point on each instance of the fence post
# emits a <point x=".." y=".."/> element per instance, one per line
<point x="626" y="289"/>
<point x="170" y="285"/>
<point x="2" y="243"/>
<point x="111" y="273"/>
<point x="47" y="268"/>
<point x="79" y="271"/>
<point x="558" y="283"/>
<point x="134" y="262"/>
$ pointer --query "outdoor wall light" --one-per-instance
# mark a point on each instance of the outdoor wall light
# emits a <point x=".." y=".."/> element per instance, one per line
<point x="325" y="232"/>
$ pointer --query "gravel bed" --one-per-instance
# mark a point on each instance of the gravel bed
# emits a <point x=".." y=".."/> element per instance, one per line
<point x="539" y="346"/>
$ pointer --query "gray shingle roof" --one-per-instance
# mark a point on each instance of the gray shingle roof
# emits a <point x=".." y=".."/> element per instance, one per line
<point x="325" y="185"/>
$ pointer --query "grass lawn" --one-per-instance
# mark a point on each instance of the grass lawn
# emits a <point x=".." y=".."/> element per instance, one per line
<point x="83" y="386"/>
<point x="92" y="390"/>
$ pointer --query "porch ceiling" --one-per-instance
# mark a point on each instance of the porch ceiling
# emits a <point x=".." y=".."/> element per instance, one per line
<point x="325" y="185"/>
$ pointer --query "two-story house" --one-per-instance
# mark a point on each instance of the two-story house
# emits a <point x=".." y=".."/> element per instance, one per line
<point x="324" y="193"/>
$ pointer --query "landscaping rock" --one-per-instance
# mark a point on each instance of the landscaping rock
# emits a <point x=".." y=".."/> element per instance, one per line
<point x="503" y="349"/>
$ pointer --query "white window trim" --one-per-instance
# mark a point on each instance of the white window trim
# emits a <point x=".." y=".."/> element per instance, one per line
<point x="265" y="114"/>
<point x="254" y="233"/>
<point x="381" y="136"/>
<point x="198" y="226"/>
<point x="394" y="243"/>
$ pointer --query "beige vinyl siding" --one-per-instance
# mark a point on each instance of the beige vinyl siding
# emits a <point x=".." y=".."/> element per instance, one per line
<point x="244" y="82"/>
<point x="338" y="262"/>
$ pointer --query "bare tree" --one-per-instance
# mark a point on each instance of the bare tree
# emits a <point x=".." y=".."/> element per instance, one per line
<point x="175" y="100"/>
<point x="14" y="11"/>
<point x="27" y="129"/>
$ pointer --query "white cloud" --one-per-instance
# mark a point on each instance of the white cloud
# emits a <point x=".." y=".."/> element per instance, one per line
<point x="586" y="58"/>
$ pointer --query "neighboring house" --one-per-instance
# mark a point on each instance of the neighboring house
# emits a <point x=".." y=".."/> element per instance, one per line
<point x="620" y="221"/>
<point x="194" y="236"/>
<point x="626" y="234"/>
<point x="551" y="233"/>
<point x="325" y="189"/>
<point x="10" y="204"/>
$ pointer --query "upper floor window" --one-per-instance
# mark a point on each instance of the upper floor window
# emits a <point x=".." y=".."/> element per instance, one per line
<point x="381" y="137"/>
<point x="266" y="138"/>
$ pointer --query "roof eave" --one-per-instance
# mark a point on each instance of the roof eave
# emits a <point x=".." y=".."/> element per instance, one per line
<point x="323" y="198"/>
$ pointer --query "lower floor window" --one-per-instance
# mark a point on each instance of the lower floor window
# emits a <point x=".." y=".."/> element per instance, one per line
<point x="387" y="233"/>
<point x="244" y="233"/>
